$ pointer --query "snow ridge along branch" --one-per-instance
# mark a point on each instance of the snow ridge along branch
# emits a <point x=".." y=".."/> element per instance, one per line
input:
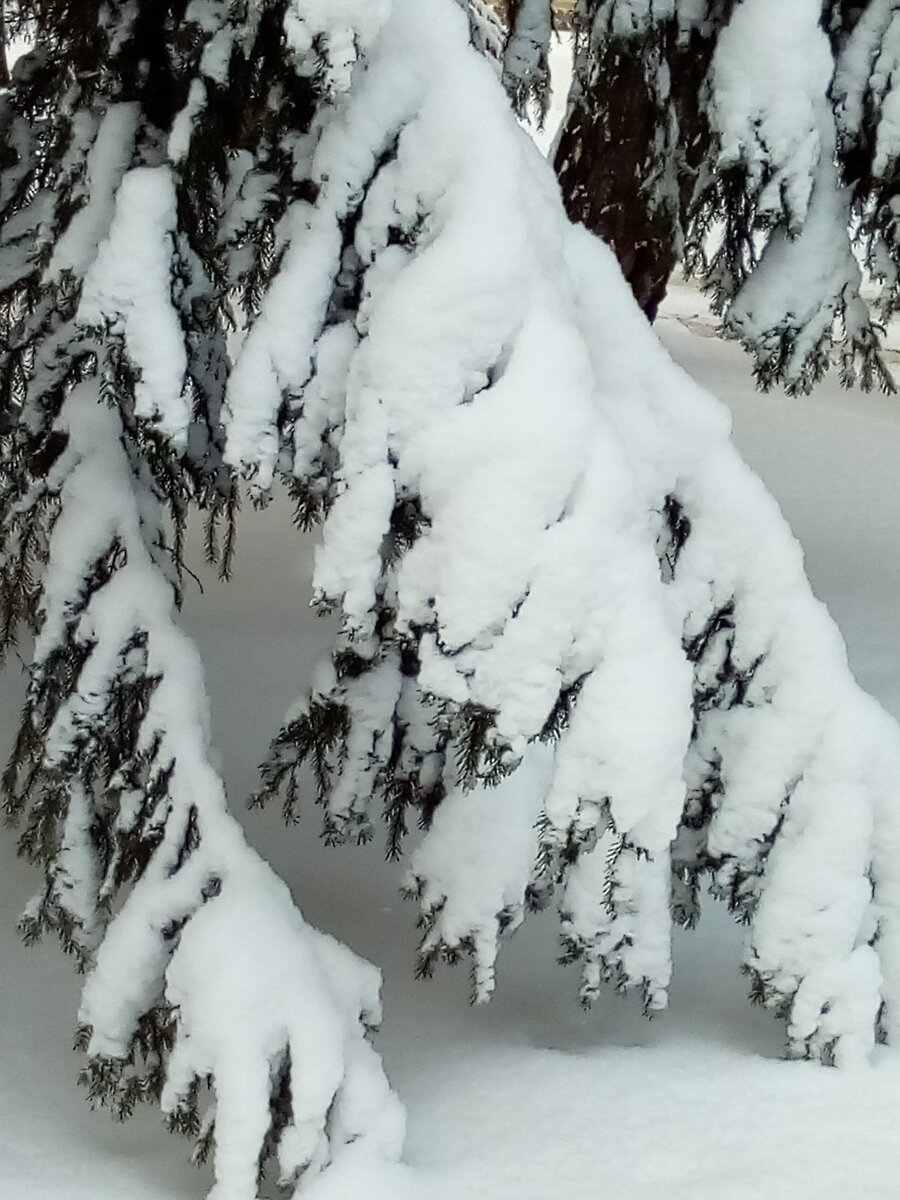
<point x="503" y="454"/>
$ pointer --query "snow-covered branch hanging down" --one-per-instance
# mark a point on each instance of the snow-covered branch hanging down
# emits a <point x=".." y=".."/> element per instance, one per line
<point x="756" y="143"/>
<point x="486" y="33"/>
<point x="207" y="973"/>
<point x="205" y="989"/>
<point x="866" y="94"/>
<point x="526" y="65"/>
<point x="768" y="98"/>
<point x="538" y="530"/>
<point x="787" y="273"/>
<point x="790" y="288"/>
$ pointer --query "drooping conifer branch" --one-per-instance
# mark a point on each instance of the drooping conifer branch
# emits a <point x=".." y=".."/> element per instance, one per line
<point x="771" y="186"/>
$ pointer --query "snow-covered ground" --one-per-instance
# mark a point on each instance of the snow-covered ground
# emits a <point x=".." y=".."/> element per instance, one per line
<point x="529" y="1097"/>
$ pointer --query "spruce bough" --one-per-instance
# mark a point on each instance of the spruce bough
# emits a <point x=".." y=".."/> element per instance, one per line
<point x="753" y="143"/>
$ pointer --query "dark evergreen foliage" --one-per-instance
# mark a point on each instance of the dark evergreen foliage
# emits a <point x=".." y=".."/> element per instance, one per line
<point x="638" y="159"/>
<point x="88" y="60"/>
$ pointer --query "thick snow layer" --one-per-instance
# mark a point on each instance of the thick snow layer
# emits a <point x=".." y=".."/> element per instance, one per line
<point x="129" y="287"/>
<point x="107" y="162"/>
<point x="769" y="92"/>
<point x="528" y="1099"/>
<point x="506" y="387"/>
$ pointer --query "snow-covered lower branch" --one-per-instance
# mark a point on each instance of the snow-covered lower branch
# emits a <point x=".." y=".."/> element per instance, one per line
<point x="207" y="954"/>
<point x="538" y="530"/>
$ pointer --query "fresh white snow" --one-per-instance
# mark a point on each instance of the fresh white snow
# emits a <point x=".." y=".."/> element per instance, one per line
<point x="768" y="97"/>
<point x="128" y="287"/>
<point x="528" y="1097"/>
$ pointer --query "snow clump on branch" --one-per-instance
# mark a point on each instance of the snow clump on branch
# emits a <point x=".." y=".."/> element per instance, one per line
<point x="538" y="528"/>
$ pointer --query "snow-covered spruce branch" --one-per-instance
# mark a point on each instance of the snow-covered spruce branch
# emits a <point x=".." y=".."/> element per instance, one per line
<point x="785" y="274"/>
<point x="758" y="145"/>
<point x="206" y="974"/>
<point x="867" y="106"/>
<point x="205" y="991"/>
<point x="486" y="32"/>
<point x="537" y="529"/>
<point x="526" y="64"/>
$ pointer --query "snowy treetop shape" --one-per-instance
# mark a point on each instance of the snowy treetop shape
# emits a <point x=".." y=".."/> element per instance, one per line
<point x="577" y="640"/>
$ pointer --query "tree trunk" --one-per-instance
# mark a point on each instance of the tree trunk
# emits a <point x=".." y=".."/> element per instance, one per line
<point x="630" y="150"/>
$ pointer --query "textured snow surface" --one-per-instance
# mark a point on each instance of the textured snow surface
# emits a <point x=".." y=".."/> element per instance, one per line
<point x="129" y="287"/>
<point x="528" y="1099"/>
<point x="768" y="98"/>
<point x="255" y="989"/>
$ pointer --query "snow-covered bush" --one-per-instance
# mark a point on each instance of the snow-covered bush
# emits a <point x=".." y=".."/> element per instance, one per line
<point x="577" y="641"/>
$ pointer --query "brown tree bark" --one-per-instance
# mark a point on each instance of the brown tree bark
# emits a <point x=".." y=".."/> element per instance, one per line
<point x="628" y="161"/>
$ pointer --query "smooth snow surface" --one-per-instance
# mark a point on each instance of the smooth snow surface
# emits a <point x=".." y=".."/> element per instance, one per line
<point x="528" y="1099"/>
